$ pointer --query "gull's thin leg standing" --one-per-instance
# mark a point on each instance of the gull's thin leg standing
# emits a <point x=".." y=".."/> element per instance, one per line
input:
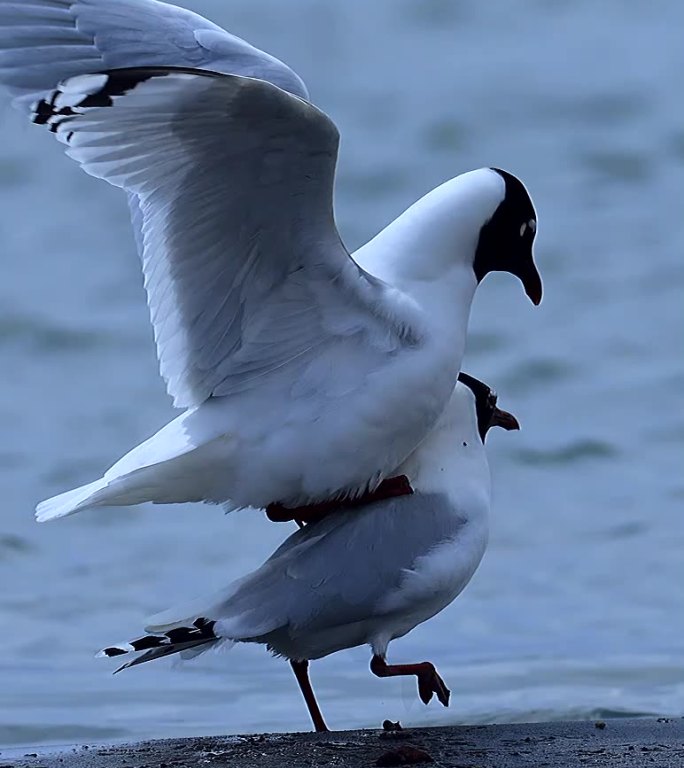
<point x="429" y="682"/>
<point x="301" y="671"/>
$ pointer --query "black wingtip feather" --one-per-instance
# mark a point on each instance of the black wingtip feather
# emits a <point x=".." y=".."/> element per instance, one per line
<point x="114" y="651"/>
<point x="118" y="82"/>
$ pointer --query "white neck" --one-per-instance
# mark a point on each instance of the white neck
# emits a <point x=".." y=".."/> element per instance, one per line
<point x="452" y="458"/>
<point x="428" y="252"/>
<point x="439" y="231"/>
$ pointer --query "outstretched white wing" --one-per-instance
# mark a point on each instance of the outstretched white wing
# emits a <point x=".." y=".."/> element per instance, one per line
<point x="245" y="272"/>
<point x="43" y="42"/>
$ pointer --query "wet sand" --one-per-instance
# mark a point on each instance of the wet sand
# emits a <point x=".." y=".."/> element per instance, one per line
<point x="625" y="743"/>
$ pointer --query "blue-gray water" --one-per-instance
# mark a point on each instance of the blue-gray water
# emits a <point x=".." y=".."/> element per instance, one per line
<point x="577" y="608"/>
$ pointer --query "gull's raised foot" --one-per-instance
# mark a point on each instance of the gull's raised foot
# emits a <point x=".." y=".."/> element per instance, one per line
<point x="429" y="681"/>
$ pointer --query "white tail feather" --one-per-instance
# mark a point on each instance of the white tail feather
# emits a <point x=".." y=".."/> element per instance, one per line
<point x="70" y="502"/>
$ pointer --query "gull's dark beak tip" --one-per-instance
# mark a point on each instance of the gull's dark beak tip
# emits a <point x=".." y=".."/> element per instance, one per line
<point x="533" y="288"/>
<point x="505" y="420"/>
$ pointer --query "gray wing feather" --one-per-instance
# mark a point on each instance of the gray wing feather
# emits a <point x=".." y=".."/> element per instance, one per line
<point x="244" y="268"/>
<point x="338" y="571"/>
<point x="43" y="42"/>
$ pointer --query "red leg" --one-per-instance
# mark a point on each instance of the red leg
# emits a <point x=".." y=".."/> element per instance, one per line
<point x="312" y="513"/>
<point x="301" y="671"/>
<point x="429" y="682"/>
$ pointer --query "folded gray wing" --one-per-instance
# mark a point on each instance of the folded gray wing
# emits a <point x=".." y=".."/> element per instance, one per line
<point x="246" y="276"/>
<point x="339" y="571"/>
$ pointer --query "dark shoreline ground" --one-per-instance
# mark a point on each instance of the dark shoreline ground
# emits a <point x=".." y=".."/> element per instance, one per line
<point x="627" y="743"/>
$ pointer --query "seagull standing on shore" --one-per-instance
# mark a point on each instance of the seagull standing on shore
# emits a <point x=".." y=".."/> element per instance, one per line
<point x="365" y="576"/>
<point x="306" y="374"/>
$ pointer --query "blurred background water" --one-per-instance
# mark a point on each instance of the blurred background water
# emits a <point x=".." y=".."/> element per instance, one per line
<point x="577" y="609"/>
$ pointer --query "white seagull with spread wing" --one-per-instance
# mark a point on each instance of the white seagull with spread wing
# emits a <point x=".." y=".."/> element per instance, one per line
<point x="307" y="374"/>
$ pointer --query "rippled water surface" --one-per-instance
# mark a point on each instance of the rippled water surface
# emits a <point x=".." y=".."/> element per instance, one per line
<point x="577" y="608"/>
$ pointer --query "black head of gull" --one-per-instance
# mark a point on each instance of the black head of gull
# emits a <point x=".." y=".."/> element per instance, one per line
<point x="488" y="415"/>
<point x="506" y="240"/>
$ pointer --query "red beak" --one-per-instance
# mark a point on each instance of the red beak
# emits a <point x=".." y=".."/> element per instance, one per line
<point x="504" y="420"/>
